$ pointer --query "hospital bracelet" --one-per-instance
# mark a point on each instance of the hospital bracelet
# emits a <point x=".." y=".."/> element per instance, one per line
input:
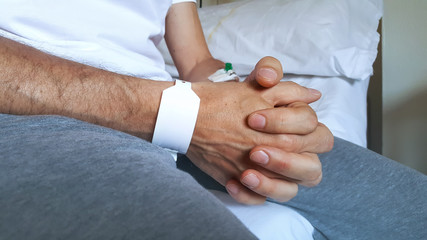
<point x="177" y="117"/>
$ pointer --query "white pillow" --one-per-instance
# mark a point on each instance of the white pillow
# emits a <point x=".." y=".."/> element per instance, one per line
<point x="310" y="37"/>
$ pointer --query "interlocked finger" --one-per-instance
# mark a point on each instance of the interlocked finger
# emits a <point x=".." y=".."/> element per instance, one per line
<point x="277" y="189"/>
<point x="242" y="194"/>
<point x="303" y="168"/>
<point x="319" y="141"/>
<point x="296" y="118"/>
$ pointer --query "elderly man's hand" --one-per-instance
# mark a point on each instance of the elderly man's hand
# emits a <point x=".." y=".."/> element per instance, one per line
<point x="295" y="162"/>
<point x="272" y="160"/>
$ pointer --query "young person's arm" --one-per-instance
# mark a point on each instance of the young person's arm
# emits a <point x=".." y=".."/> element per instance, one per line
<point x="187" y="45"/>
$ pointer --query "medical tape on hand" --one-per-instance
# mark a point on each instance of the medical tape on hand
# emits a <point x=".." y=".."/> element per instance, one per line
<point x="177" y="117"/>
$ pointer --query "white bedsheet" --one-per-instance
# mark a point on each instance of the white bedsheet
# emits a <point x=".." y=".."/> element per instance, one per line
<point x="270" y="220"/>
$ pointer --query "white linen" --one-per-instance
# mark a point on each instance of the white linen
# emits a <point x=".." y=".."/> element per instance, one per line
<point x="311" y="37"/>
<point x="269" y="221"/>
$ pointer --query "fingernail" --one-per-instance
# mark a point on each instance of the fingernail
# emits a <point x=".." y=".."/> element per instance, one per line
<point x="257" y="121"/>
<point x="268" y="73"/>
<point x="251" y="180"/>
<point x="314" y="92"/>
<point x="260" y="157"/>
<point x="232" y="188"/>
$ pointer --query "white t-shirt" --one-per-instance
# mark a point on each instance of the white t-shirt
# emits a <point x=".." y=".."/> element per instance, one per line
<point x="116" y="35"/>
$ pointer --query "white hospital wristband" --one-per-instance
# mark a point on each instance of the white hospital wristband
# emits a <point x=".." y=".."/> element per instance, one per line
<point x="177" y="117"/>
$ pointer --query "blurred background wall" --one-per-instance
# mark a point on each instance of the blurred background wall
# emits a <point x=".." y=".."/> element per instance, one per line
<point x="405" y="82"/>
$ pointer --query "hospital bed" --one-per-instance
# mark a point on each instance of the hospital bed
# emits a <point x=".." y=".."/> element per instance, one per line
<point x="328" y="45"/>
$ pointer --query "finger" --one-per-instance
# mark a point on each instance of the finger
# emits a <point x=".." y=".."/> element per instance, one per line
<point x="289" y="92"/>
<point x="268" y="72"/>
<point x="242" y="194"/>
<point x="296" y="118"/>
<point x="304" y="168"/>
<point x="319" y="141"/>
<point x="277" y="189"/>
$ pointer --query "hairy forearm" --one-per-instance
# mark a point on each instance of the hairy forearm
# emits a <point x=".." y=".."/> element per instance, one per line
<point x="33" y="82"/>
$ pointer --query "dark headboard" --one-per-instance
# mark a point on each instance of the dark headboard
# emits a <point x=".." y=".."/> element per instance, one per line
<point x="375" y="106"/>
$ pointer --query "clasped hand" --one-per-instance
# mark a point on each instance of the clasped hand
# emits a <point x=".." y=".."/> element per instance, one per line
<point x="259" y="138"/>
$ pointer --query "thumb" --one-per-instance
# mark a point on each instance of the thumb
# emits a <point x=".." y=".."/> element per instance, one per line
<point x="268" y="72"/>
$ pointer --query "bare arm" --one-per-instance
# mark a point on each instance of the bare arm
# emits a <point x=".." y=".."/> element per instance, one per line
<point x="187" y="45"/>
<point x="33" y="82"/>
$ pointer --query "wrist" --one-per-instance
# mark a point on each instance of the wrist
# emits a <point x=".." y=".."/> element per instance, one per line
<point x="145" y="108"/>
<point x="176" y="118"/>
<point x="202" y="70"/>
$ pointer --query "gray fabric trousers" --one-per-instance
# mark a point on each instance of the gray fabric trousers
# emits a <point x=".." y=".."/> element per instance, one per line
<point x="65" y="179"/>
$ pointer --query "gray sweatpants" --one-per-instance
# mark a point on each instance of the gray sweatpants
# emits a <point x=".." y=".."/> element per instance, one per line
<point x="65" y="179"/>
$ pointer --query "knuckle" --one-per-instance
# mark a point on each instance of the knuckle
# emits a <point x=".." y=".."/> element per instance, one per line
<point x="292" y="84"/>
<point x="316" y="172"/>
<point x="286" y="140"/>
<point x="268" y="190"/>
<point x="295" y="88"/>
<point x="291" y="143"/>
<point x="314" y="182"/>
<point x="291" y="192"/>
<point x="327" y="142"/>
<point x="318" y="180"/>
<point x="331" y="143"/>
<point x="312" y="121"/>
<point x="277" y="126"/>
<point x="314" y="176"/>
<point x="283" y="166"/>
<point x="294" y="191"/>
<point x="241" y="200"/>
